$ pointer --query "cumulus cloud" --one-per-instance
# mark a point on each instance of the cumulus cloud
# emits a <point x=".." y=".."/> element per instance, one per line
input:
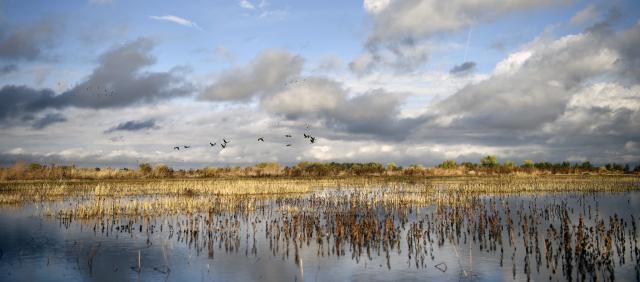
<point x="576" y="95"/>
<point x="176" y="20"/>
<point x="133" y="125"/>
<point x="267" y="72"/>
<point x="275" y="79"/>
<point x="118" y="81"/>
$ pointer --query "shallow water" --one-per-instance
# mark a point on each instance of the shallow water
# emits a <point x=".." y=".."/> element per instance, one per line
<point x="224" y="246"/>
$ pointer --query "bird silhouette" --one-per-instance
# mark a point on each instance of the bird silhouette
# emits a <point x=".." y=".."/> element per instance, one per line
<point x="288" y="135"/>
<point x="288" y="145"/>
<point x="261" y="139"/>
<point x="176" y="148"/>
<point x="223" y="145"/>
<point x="225" y="141"/>
<point x="186" y="147"/>
<point x="212" y="144"/>
<point x="312" y="139"/>
<point x="306" y="135"/>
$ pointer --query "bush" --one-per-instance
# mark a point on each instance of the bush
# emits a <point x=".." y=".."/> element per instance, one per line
<point x="145" y="168"/>
<point x="448" y="164"/>
<point x="489" y="161"/>
<point x="162" y="170"/>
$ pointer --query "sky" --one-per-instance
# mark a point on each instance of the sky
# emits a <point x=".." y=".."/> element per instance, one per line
<point x="118" y="83"/>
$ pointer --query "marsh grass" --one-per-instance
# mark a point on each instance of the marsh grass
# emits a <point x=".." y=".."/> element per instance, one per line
<point x="360" y="216"/>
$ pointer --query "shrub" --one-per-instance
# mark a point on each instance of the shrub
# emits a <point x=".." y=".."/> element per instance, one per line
<point x="448" y="164"/>
<point x="145" y="168"/>
<point x="489" y="161"/>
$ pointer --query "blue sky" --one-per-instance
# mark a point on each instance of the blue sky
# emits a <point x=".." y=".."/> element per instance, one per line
<point x="413" y="64"/>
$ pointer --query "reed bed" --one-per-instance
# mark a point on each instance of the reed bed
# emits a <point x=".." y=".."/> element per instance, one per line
<point x="558" y="231"/>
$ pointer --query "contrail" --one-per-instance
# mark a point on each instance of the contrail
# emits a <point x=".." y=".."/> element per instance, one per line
<point x="466" y="48"/>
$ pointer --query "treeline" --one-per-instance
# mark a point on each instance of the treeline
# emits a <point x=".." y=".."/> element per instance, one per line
<point x="488" y="165"/>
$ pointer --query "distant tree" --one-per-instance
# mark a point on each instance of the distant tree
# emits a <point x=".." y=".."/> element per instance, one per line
<point x="448" y="164"/>
<point x="489" y="161"/>
<point x="586" y="165"/>
<point x="145" y="168"/>
<point x="528" y="164"/>
<point x="508" y="164"/>
<point x="35" y="166"/>
<point x="469" y="165"/>
<point x="392" y="167"/>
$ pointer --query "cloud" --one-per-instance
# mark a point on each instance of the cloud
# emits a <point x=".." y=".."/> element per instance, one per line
<point x="176" y="20"/>
<point x="133" y="125"/>
<point x="47" y="120"/>
<point x="375" y="6"/>
<point x="374" y="113"/>
<point x="403" y="28"/>
<point x="267" y="72"/>
<point x="576" y="95"/>
<point x="463" y="69"/>
<point x="246" y="5"/>
<point x="586" y="15"/>
<point x="119" y="80"/>
<point x="27" y="42"/>
<point x="7" y="69"/>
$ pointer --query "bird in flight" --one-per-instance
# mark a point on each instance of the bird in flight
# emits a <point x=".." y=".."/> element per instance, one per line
<point x="306" y="135"/>
<point x="261" y="139"/>
<point x="288" y="145"/>
<point x="225" y="140"/>
<point x="312" y="139"/>
<point x="288" y="135"/>
<point x="176" y="148"/>
<point x="212" y="144"/>
<point x="186" y="147"/>
<point x="223" y="145"/>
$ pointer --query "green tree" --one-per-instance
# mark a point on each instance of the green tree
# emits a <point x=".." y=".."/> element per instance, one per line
<point x="507" y="164"/>
<point x="489" y="161"/>
<point x="448" y="164"/>
<point x="527" y="164"/>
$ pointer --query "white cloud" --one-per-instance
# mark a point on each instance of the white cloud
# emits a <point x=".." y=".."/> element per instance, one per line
<point x="375" y="6"/>
<point x="245" y="4"/>
<point x="176" y="20"/>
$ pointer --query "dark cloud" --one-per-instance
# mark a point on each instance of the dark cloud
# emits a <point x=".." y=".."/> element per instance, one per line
<point x="47" y="120"/>
<point x="133" y="125"/>
<point x="463" y="69"/>
<point x="118" y="81"/>
<point x="7" y="69"/>
<point x="374" y="113"/>
<point x="268" y="72"/>
<point x="27" y="42"/>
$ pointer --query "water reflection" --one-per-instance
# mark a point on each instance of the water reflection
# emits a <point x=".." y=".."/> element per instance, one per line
<point x="345" y="234"/>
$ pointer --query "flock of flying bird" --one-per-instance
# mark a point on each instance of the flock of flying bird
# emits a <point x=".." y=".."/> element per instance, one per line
<point x="224" y="142"/>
